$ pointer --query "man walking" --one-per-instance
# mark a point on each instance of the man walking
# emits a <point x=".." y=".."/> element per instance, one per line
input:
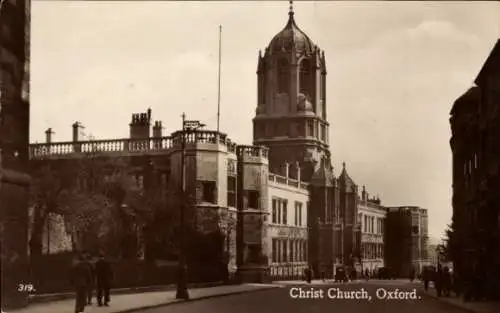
<point x="103" y="275"/>
<point x="90" y="289"/>
<point x="80" y="278"/>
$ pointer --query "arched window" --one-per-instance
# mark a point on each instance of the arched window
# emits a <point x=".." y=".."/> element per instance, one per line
<point x="283" y="76"/>
<point x="305" y="77"/>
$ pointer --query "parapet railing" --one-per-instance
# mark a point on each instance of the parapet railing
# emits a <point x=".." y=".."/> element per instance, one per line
<point x="371" y="204"/>
<point x="41" y="150"/>
<point x="204" y="136"/>
<point x="287" y="181"/>
<point x="110" y="145"/>
<point x="254" y="151"/>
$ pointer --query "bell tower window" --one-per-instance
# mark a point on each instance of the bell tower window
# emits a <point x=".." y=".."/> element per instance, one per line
<point x="283" y="76"/>
<point x="305" y="77"/>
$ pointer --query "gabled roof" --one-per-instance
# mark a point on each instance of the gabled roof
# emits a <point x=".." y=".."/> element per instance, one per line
<point x="471" y="96"/>
<point x="491" y="66"/>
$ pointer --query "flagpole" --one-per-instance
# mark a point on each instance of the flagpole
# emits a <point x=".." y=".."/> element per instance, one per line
<point x="218" y="88"/>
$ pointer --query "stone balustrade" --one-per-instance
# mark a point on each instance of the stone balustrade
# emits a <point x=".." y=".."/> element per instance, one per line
<point x="127" y="145"/>
<point x="254" y="151"/>
<point x="370" y="204"/>
<point x="113" y="145"/>
<point x="278" y="179"/>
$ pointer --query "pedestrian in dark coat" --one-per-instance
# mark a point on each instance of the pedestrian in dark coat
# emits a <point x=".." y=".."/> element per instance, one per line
<point x="425" y="276"/>
<point x="80" y="278"/>
<point x="438" y="281"/>
<point x="412" y="275"/>
<point x="90" y="290"/>
<point x="103" y="279"/>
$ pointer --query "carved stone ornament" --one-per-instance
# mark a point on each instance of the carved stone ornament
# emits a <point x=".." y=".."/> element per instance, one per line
<point x="304" y="105"/>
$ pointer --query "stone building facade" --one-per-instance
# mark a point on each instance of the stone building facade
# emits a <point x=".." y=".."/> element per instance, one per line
<point x="291" y="120"/>
<point x="231" y="184"/>
<point x="406" y="240"/>
<point x="372" y="217"/>
<point x="14" y="139"/>
<point x="475" y="148"/>
<point x="285" y="208"/>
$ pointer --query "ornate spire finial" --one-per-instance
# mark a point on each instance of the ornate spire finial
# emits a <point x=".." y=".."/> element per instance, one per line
<point x="290" y="12"/>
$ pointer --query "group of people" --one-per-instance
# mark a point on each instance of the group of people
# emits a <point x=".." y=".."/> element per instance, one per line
<point x="442" y="278"/>
<point x="87" y="275"/>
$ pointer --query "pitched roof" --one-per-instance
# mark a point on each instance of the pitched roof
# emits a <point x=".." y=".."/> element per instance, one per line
<point x="491" y="65"/>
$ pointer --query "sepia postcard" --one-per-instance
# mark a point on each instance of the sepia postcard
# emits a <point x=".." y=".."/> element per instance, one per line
<point x="256" y="156"/>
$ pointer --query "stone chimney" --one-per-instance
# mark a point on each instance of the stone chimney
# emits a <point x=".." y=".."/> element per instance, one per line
<point x="364" y="195"/>
<point x="297" y="169"/>
<point x="285" y="171"/>
<point x="48" y="135"/>
<point x="77" y="126"/>
<point x="140" y="125"/>
<point x="157" y="130"/>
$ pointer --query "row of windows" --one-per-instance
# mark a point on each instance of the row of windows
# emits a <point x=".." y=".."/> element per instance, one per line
<point x="372" y="250"/>
<point x="289" y="250"/>
<point x="280" y="212"/>
<point x="372" y="224"/>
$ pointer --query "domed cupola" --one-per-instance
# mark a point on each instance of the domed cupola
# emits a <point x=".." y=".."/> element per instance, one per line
<point x="291" y="39"/>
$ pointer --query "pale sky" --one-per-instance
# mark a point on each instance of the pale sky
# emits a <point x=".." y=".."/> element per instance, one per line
<point x="394" y="70"/>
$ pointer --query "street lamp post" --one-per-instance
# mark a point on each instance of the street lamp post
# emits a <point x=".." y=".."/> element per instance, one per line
<point x="182" y="290"/>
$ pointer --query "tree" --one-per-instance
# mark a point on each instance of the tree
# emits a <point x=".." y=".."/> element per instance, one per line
<point x="45" y="196"/>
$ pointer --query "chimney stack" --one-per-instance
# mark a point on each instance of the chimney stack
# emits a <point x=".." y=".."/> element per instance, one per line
<point x="157" y="130"/>
<point x="77" y="126"/>
<point x="140" y="125"/>
<point x="364" y="195"/>
<point x="286" y="169"/>
<point x="48" y="135"/>
<point x="297" y="168"/>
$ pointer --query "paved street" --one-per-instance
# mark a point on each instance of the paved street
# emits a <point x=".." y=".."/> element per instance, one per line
<point x="279" y="300"/>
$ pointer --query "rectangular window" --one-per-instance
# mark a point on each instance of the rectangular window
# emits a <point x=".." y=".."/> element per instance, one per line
<point x="279" y="211"/>
<point x="285" y="211"/>
<point x="231" y="191"/>
<point x="275" y="250"/>
<point x="275" y="211"/>
<point x="304" y="252"/>
<point x="285" y="251"/>
<point x="208" y="191"/>
<point x="292" y="251"/>
<point x="323" y="133"/>
<point x="253" y="199"/>
<point x="300" y="214"/>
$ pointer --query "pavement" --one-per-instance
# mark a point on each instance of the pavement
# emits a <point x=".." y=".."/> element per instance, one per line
<point x="122" y="303"/>
<point x="278" y="296"/>
<point x="472" y="307"/>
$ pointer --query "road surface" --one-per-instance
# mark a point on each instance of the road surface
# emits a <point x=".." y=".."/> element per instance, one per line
<point x="373" y="297"/>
